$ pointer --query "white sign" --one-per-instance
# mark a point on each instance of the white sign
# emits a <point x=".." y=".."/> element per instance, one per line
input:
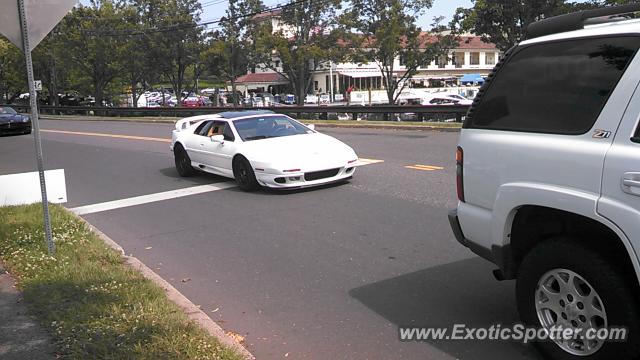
<point x="38" y="85"/>
<point x="42" y="17"/>
<point x="24" y="188"/>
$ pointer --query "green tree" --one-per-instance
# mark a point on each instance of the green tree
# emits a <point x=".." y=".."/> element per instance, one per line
<point x="12" y="71"/>
<point x="173" y="41"/>
<point x="49" y="65"/>
<point x="93" y="55"/>
<point x="306" y="39"/>
<point x="230" y="51"/>
<point x="139" y="73"/>
<point x="386" y="30"/>
<point x="504" y="22"/>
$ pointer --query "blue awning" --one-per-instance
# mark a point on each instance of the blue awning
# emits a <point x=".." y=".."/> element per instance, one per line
<point x="472" y="78"/>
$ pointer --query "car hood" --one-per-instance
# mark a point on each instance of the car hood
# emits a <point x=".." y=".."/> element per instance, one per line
<point x="300" y="151"/>
<point x="10" y="118"/>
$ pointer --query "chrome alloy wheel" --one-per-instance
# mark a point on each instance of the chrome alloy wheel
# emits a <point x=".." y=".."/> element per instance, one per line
<point x="565" y="299"/>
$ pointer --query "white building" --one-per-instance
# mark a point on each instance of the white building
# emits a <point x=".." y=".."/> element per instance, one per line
<point x="471" y="56"/>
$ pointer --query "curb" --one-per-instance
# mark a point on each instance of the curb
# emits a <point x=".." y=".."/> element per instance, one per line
<point x="318" y="123"/>
<point x="194" y="313"/>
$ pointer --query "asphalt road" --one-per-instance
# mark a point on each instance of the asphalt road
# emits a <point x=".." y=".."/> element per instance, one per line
<point x="327" y="273"/>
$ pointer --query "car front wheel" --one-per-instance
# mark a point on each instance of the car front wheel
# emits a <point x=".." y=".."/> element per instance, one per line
<point x="244" y="175"/>
<point x="563" y="284"/>
<point x="182" y="161"/>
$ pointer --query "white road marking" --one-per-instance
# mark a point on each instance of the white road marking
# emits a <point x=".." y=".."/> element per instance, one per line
<point x="362" y="162"/>
<point x="146" y="199"/>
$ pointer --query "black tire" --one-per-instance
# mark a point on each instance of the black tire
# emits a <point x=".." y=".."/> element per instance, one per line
<point x="244" y="175"/>
<point x="182" y="161"/>
<point x="617" y="292"/>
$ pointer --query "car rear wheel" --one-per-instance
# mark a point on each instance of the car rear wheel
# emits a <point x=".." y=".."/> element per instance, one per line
<point x="183" y="162"/>
<point x="562" y="283"/>
<point x="244" y="175"/>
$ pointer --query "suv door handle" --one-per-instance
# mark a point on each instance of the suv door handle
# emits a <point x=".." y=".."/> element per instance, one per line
<point x="631" y="183"/>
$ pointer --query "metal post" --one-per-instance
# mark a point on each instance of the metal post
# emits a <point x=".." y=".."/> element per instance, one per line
<point x="36" y="127"/>
<point x="331" y="79"/>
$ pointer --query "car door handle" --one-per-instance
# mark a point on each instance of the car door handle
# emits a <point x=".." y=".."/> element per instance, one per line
<point x="631" y="183"/>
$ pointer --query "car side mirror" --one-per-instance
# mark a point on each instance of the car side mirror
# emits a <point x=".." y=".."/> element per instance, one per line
<point x="217" y="138"/>
<point x="311" y="126"/>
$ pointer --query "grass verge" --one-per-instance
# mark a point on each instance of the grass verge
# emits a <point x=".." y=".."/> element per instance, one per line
<point x="94" y="305"/>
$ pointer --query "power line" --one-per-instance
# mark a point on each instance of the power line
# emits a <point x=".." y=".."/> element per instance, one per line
<point x="192" y="25"/>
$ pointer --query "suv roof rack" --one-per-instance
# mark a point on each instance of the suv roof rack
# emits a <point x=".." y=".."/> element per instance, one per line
<point x="577" y="20"/>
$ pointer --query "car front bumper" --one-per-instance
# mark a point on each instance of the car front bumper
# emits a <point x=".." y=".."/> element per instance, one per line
<point x="15" y="128"/>
<point x="302" y="179"/>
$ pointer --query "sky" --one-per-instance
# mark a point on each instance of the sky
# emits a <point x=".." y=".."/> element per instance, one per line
<point x="214" y="9"/>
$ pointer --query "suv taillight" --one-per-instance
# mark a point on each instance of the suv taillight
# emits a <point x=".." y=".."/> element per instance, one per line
<point x="459" y="173"/>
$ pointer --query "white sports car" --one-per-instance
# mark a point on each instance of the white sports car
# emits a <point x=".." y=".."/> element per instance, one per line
<point x="260" y="148"/>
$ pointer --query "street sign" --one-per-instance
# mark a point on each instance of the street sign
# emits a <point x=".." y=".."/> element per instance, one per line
<point x="42" y="16"/>
<point x="25" y="23"/>
<point x="37" y="84"/>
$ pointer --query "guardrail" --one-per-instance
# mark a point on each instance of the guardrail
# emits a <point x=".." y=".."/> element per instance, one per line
<point x="448" y="113"/>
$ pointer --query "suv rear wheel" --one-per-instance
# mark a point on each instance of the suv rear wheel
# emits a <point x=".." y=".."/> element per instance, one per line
<point x="562" y="283"/>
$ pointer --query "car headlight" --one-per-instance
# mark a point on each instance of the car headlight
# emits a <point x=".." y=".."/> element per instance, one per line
<point x="25" y="118"/>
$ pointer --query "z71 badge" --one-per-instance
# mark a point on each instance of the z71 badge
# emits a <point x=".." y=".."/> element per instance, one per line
<point x="601" y="134"/>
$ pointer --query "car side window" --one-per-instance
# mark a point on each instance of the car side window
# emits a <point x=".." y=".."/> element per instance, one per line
<point x="228" y="134"/>
<point x="204" y="128"/>
<point x="636" y="137"/>
<point x="557" y="88"/>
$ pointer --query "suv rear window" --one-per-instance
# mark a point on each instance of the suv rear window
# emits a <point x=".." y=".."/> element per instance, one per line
<point x="558" y="87"/>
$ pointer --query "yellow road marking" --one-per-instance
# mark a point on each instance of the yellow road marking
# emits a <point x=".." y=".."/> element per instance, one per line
<point x="117" y="136"/>
<point x="424" y="167"/>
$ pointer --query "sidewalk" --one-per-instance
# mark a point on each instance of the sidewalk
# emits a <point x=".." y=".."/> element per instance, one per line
<point x="20" y="336"/>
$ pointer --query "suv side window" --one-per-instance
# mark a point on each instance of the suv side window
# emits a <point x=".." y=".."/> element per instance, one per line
<point x="558" y="88"/>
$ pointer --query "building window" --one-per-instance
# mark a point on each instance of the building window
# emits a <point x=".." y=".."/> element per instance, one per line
<point x="315" y="85"/>
<point x="403" y="60"/>
<point x="458" y="59"/>
<point x="490" y="59"/>
<point x="475" y="58"/>
<point x="277" y="63"/>
<point x="441" y="61"/>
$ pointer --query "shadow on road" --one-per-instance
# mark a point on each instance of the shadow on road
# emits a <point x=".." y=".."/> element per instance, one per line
<point x="462" y="292"/>
<point x="200" y="178"/>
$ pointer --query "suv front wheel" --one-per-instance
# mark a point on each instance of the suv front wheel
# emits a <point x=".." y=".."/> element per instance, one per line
<point x="564" y="284"/>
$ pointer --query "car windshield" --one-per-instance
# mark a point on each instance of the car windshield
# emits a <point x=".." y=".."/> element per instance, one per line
<point x="7" y="111"/>
<point x="257" y="128"/>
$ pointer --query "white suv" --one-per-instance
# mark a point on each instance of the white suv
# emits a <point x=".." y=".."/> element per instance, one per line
<point x="548" y="178"/>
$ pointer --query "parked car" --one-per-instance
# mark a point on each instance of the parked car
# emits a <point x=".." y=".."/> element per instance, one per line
<point x="548" y="180"/>
<point x="13" y="123"/>
<point x="290" y="99"/>
<point x="311" y="99"/>
<point x="260" y="148"/>
<point x="325" y="99"/>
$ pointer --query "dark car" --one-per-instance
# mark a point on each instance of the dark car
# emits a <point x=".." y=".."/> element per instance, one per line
<point x="13" y="123"/>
